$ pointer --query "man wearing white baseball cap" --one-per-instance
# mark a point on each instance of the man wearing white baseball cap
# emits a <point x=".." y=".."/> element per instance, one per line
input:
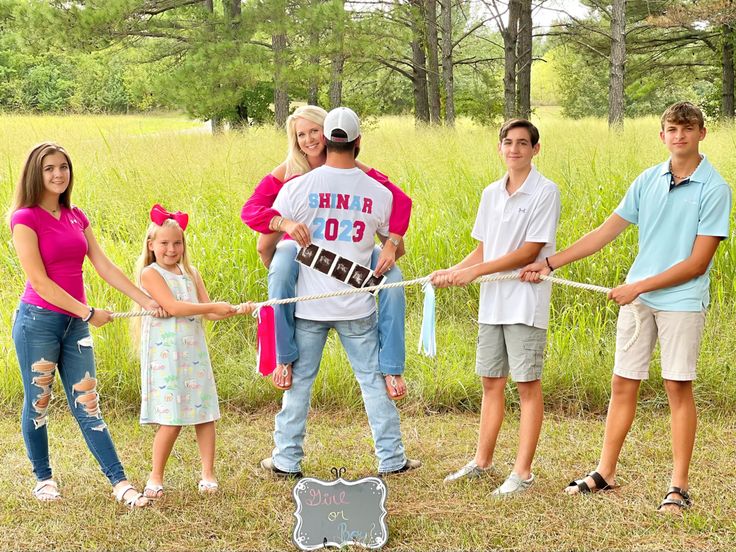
<point x="341" y="126"/>
<point x="344" y="210"/>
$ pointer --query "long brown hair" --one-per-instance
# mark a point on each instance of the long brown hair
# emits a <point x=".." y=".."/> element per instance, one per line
<point x="30" y="188"/>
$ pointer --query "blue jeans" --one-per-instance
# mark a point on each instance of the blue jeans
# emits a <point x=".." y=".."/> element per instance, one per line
<point x="360" y="340"/>
<point x="282" y="276"/>
<point x="46" y="342"/>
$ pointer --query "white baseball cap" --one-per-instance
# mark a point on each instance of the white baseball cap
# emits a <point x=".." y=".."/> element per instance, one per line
<point x="345" y="120"/>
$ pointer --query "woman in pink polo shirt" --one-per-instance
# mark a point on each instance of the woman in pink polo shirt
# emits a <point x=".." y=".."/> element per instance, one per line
<point x="51" y="329"/>
<point x="306" y="152"/>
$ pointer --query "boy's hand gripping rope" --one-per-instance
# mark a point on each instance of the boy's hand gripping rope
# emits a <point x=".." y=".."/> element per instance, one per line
<point x="424" y="280"/>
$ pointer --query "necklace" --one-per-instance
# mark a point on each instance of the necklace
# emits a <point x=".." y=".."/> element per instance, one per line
<point x="52" y="211"/>
<point x="680" y="177"/>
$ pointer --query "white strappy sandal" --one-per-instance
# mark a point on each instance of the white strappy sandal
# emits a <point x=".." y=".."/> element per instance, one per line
<point x="152" y="491"/>
<point x="208" y="487"/>
<point x="46" y="491"/>
<point x="134" y="497"/>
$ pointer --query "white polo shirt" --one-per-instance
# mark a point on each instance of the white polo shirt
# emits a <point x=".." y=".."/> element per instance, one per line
<point x="503" y="224"/>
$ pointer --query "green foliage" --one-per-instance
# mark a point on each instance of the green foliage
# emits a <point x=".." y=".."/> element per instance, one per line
<point x="663" y="64"/>
<point x="124" y="164"/>
<point x="114" y="56"/>
<point x="47" y="87"/>
<point x="479" y="95"/>
<point x="582" y="84"/>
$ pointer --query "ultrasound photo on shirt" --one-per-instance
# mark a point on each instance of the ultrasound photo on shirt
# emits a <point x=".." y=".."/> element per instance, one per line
<point x="374" y="281"/>
<point x="359" y="276"/>
<point x="306" y="255"/>
<point x="341" y="269"/>
<point x="324" y="261"/>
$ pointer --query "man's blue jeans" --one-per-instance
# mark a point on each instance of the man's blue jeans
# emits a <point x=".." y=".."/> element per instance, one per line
<point x="282" y="277"/>
<point x="360" y="340"/>
<point x="46" y="342"/>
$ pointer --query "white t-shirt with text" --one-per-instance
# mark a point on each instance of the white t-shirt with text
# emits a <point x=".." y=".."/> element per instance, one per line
<point x="344" y="209"/>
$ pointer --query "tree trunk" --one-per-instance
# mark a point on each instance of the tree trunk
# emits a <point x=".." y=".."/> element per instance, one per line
<point x="215" y="120"/>
<point x="314" y="59"/>
<point x="524" y="60"/>
<point x="338" y="58"/>
<point x="419" y="64"/>
<point x="338" y="62"/>
<point x="727" y="74"/>
<point x="433" y="69"/>
<point x="235" y="9"/>
<point x="447" y="65"/>
<point x="509" y="45"/>
<point x="280" y="88"/>
<point x="618" y="62"/>
<point x="280" y="63"/>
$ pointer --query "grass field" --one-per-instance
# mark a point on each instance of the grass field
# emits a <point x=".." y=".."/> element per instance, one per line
<point x="256" y="514"/>
<point x="125" y="164"/>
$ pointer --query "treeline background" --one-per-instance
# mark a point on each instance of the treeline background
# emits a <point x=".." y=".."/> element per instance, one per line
<point x="245" y="62"/>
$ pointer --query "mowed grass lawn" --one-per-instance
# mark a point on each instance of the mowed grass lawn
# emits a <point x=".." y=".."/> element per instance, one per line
<point x="252" y="513"/>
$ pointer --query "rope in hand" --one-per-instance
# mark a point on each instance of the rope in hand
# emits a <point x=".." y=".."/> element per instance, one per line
<point x="425" y="280"/>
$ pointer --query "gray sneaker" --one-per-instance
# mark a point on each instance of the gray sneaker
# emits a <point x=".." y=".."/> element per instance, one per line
<point x="514" y="485"/>
<point x="471" y="470"/>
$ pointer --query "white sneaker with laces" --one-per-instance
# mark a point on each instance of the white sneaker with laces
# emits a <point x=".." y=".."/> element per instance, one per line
<point x="471" y="470"/>
<point x="514" y="485"/>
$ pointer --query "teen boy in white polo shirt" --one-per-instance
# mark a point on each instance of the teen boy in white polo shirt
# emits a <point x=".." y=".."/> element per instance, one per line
<point x="345" y="210"/>
<point x="516" y="224"/>
<point x="682" y="208"/>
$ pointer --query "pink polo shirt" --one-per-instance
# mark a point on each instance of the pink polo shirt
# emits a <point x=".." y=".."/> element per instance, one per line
<point x="62" y="245"/>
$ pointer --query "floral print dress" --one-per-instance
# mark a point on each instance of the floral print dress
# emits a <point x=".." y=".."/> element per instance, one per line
<point x="177" y="384"/>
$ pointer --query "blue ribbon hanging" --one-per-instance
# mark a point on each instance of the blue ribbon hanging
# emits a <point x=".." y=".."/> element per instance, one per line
<point x="427" y="340"/>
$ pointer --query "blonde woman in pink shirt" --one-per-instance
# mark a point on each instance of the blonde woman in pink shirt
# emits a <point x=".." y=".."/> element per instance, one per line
<point x="306" y="152"/>
<point x="51" y="329"/>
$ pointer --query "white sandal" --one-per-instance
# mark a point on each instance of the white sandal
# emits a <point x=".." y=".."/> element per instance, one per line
<point x="46" y="491"/>
<point x="205" y="486"/>
<point x="152" y="491"/>
<point x="131" y="502"/>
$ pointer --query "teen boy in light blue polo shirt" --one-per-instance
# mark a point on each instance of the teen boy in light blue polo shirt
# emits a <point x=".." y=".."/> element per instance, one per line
<point x="669" y="216"/>
<point x="682" y="208"/>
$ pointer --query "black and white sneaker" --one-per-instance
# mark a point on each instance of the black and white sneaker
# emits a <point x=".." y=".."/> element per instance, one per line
<point x="273" y="471"/>
<point x="408" y="466"/>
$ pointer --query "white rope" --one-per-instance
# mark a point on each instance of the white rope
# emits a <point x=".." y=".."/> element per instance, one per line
<point x="405" y="283"/>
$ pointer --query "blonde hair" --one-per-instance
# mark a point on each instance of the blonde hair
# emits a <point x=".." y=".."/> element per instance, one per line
<point x="296" y="160"/>
<point x="146" y="258"/>
<point x="30" y="187"/>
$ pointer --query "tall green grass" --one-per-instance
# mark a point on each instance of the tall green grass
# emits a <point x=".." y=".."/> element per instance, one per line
<point x="125" y="164"/>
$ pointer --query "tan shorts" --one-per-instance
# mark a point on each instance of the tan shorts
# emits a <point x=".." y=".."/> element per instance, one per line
<point x="517" y="349"/>
<point x="679" y="335"/>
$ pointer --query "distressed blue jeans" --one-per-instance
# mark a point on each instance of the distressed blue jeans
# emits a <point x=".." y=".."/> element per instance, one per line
<point x="360" y="341"/>
<point x="282" y="277"/>
<point x="47" y="342"/>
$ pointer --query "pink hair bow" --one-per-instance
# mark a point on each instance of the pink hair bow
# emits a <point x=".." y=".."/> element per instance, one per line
<point x="159" y="215"/>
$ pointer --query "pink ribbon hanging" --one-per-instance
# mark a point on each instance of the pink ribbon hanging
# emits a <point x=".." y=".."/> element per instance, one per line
<point x="266" y="341"/>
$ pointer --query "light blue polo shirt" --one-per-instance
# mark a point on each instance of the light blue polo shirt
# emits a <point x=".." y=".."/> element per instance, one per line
<point x="669" y="221"/>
